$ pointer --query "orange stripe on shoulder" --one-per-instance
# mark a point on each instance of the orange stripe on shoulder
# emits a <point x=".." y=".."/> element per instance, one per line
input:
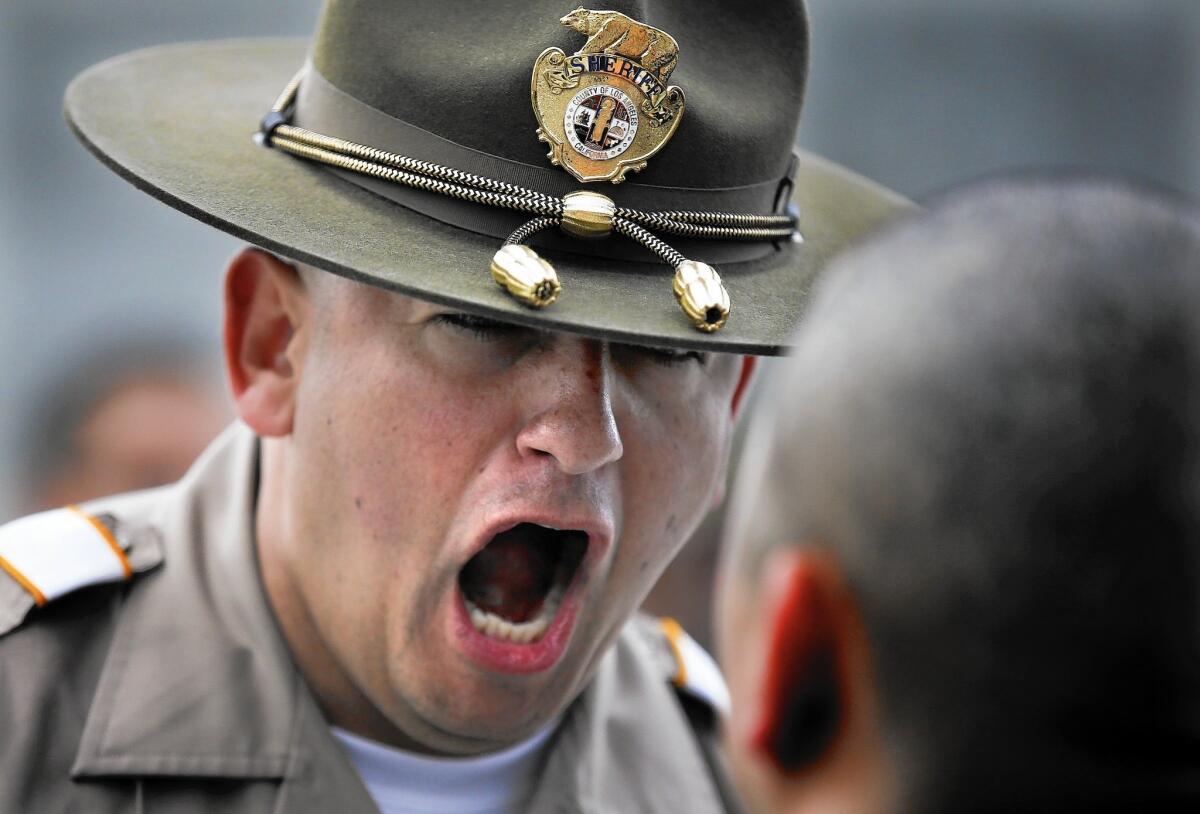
<point x="104" y="532"/>
<point x="674" y="633"/>
<point x="38" y="597"/>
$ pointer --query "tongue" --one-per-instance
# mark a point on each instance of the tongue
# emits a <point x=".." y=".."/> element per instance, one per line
<point x="510" y="577"/>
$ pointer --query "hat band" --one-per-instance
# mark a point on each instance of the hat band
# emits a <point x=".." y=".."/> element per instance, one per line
<point x="324" y="108"/>
<point x="517" y="268"/>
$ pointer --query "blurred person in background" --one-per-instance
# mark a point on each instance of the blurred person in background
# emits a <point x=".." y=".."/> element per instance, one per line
<point x="965" y="542"/>
<point x="927" y="95"/>
<point x="131" y="413"/>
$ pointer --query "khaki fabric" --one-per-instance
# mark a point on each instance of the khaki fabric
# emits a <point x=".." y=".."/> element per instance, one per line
<point x="176" y="692"/>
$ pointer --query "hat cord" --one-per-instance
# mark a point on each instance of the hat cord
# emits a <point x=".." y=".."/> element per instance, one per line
<point x="517" y="268"/>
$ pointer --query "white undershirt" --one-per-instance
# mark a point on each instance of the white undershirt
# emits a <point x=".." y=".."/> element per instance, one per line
<point x="407" y="783"/>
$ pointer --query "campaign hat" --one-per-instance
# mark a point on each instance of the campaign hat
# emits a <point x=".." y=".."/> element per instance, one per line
<point x="448" y="85"/>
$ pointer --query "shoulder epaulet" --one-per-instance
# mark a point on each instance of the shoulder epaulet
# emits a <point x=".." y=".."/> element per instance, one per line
<point x="696" y="678"/>
<point x="696" y="673"/>
<point x="48" y="555"/>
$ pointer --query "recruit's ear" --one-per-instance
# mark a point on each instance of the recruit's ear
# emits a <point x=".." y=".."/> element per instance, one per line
<point x="265" y="308"/>
<point x="801" y="694"/>
<point x="813" y="737"/>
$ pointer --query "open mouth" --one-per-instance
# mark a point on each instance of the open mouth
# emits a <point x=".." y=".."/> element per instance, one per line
<point x="513" y="586"/>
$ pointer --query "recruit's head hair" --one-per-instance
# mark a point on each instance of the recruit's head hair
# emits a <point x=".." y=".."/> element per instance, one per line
<point x="992" y="418"/>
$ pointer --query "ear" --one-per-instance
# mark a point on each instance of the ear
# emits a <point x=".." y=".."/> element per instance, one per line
<point x="749" y="364"/>
<point x="745" y="377"/>
<point x="803" y="701"/>
<point x="266" y="308"/>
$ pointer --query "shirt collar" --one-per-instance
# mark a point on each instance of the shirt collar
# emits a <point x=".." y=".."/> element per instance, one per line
<point x="215" y="695"/>
<point x="625" y="744"/>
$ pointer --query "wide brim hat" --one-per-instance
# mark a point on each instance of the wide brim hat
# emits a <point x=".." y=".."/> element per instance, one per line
<point x="452" y="80"/>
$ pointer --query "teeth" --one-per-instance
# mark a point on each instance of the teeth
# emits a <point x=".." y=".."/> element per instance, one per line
<point x="496" y="627"/>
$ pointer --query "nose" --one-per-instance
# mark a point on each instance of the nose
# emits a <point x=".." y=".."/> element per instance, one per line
<point x="570" y="394"/>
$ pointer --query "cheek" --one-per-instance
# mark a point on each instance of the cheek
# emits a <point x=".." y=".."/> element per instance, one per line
<point x="414" y="448"/>
<point x="688" y="454"/>
<point x="674" y="463"/>
<point x="388" y="446"/>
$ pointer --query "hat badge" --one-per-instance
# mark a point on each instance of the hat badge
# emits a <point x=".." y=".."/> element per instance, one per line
<point x="607" y="108"/>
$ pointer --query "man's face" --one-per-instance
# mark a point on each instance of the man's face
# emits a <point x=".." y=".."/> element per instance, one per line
<point x="473" y="509"/>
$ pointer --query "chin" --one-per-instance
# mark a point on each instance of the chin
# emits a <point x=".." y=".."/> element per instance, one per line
<point x="485" y="714"/>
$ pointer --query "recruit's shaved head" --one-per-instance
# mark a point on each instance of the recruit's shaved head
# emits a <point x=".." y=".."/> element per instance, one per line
<point x="992" y="420"/>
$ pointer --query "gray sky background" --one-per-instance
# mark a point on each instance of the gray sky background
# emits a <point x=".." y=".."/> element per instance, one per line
<point x="919" y="94"/>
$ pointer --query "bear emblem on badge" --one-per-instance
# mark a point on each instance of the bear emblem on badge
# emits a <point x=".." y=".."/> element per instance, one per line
<point x="607" y="108"/>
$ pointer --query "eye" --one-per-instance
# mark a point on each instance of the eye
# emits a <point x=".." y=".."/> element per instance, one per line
<point x="670" y="357"/>
<point x="481" y="328"/>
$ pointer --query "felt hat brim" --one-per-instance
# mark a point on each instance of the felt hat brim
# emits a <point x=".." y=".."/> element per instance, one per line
<point x="178" y="122"/>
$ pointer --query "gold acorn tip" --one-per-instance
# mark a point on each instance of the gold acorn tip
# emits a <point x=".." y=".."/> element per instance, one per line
<point x="701" y="295"/>
<point x="523" y="274"/>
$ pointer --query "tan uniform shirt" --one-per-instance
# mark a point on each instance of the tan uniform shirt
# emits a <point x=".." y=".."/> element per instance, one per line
<point x="175" y="692"/>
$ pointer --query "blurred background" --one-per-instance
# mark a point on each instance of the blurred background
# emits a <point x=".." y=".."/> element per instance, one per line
<point x="110" y="301"/>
